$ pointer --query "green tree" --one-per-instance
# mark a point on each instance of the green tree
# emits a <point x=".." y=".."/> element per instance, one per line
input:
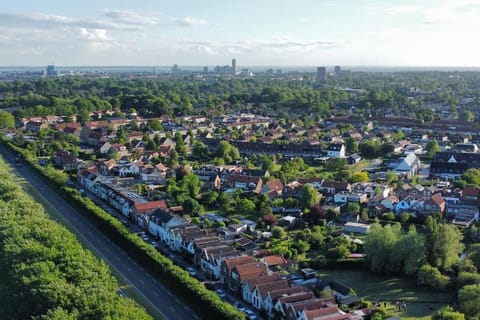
<point x="7" y="120"/>
<point x="227" y="152"/>
<point x="353" y="208"/>
<point x="443" y="243"/>
<point x="469" y="300"/>
<point x="279" y="233"/>
<point x="448" y="313"/>
<point x="432" y="147"/>
<point x="191" y="185"/>
<point x="245" y="206"/>
<point x="472" y="177"/>
<point x="466" y="116"/>
<point x="309" y="196"/>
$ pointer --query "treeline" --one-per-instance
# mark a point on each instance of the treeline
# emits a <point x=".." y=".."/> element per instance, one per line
<point x="45" y="272"/>
<point x="205" y="302"/>
<point x="436" y="256"/>
<point x="173" y="97"/>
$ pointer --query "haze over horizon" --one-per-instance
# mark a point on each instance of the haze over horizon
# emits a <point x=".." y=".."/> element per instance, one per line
<point x="424" y="33"/>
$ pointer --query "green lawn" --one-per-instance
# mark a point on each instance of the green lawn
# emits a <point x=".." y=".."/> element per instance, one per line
<point x="421" y="303"/>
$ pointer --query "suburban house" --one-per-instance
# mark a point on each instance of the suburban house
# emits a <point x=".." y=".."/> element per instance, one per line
<point x="65" y="160"/>
<point x="435" y="203"/>
<point x="272" y="297"/>
<point x="246" y="183"/>
<point x="259" y="292"/>
<point x="462" y="214"/>
<point x="160" y="222"/>
<point x="354" y="227"/>
<point x="408" y="166"/>
<point x="452" y="165"/>
<point x="336" y="150"/>
<point x="245" y="272"/>
<point x="229" y="264"/>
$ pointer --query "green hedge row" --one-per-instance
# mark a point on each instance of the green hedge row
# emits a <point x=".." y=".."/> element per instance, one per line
<point x="205" y="302"/>
<point x="45" y="272"/>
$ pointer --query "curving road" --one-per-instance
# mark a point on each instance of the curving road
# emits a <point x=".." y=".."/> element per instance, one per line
<point x="158" y="296"/>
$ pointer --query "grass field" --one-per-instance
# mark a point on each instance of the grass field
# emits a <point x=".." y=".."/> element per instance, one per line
<point x="421" y="303"/>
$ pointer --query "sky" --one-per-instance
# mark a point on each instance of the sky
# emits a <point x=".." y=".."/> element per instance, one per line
<point x="255" y="32"/>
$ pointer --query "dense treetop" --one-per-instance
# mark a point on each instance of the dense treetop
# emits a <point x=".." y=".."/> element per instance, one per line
<point x="46" y="274"/>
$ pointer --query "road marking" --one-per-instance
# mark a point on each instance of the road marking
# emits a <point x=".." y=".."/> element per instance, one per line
<point x="156" y="294"/>
<point x="129" y="270"/>
<point x="143" y="282"/>
<point x="172" y="308"/>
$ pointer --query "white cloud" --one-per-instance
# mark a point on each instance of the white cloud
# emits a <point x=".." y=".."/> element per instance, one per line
<point x="188" y="22"/>
<point x="401" y="9"/>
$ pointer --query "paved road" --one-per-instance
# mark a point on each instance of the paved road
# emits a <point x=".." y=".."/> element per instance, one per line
<point x="155" y="293"/>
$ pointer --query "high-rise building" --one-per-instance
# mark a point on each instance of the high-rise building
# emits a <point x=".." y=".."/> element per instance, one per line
<point x="234" y="66"/>
<point x="205" y="69"/>
<point x="337" y="70"/>
<point x="321" y="74"/>
<point x="175" y="70"/>
<point x="50" y="71"/>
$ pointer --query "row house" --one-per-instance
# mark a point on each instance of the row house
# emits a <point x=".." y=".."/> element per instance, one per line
<point x="245" y="183"/>
<point x="249" y="285"/>
<point x="160" y="223"/>
<point x="330" y="313"/>
<point x="273" y="188"/>
<point x="327" y="187"/>
<point x="344" y="197"/>
<point x="65" y="160"/>
<point x="211" y="258"/>
<point x="35" y="126"/>
<point x="371" y="189"/>
<point x="462" y="214"/>
<point x="280" y="307"/>
<point x="260" y="291"/>
<point x="452" y="165"/>
<point x="130" y="169"/>
<point x="295" y="310"/>
<point x="144" y="208"/>
<point x="272" y="297"/>
<point x="227" y="267"/>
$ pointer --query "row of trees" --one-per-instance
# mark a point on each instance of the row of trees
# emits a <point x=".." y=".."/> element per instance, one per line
<point x="391" y="250"/>
<point x="434" y="256"/>
<point x="46" y="274"/>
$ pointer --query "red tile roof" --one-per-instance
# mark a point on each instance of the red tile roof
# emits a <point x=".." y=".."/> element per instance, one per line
<point x="148" y="206"/>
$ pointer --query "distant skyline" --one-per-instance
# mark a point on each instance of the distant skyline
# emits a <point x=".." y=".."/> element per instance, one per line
<point x="256" y="33"/>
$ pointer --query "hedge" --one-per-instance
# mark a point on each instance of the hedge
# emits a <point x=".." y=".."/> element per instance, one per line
<point x="190" y="290"/>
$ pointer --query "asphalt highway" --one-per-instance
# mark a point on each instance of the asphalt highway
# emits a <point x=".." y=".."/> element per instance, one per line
<point x="153" y="292"/>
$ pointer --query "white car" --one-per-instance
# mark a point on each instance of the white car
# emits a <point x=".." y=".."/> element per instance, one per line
<point x="192" y="271"/>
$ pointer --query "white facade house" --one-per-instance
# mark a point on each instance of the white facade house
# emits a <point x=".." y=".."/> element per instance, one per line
<point x="160" y="222"/>
<point x="408" y="166"/>
<point x="336" y="150"/>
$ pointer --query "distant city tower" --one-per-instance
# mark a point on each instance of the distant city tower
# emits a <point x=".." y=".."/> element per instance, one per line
<point x="321" y="74"/>
<point x="337" y="70"/>
<point x="234" y="66"/>
<point x="50" y="71"/>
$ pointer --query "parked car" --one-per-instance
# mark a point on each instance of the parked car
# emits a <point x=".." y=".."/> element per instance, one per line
<point x="221" y="294"/>
<point x="239" y="307"/>
<point x="250" y="314"/>
<point x="192" y="271"/>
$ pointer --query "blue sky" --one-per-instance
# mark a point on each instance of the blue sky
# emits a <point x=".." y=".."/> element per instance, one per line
<point x="256" y="33"/>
